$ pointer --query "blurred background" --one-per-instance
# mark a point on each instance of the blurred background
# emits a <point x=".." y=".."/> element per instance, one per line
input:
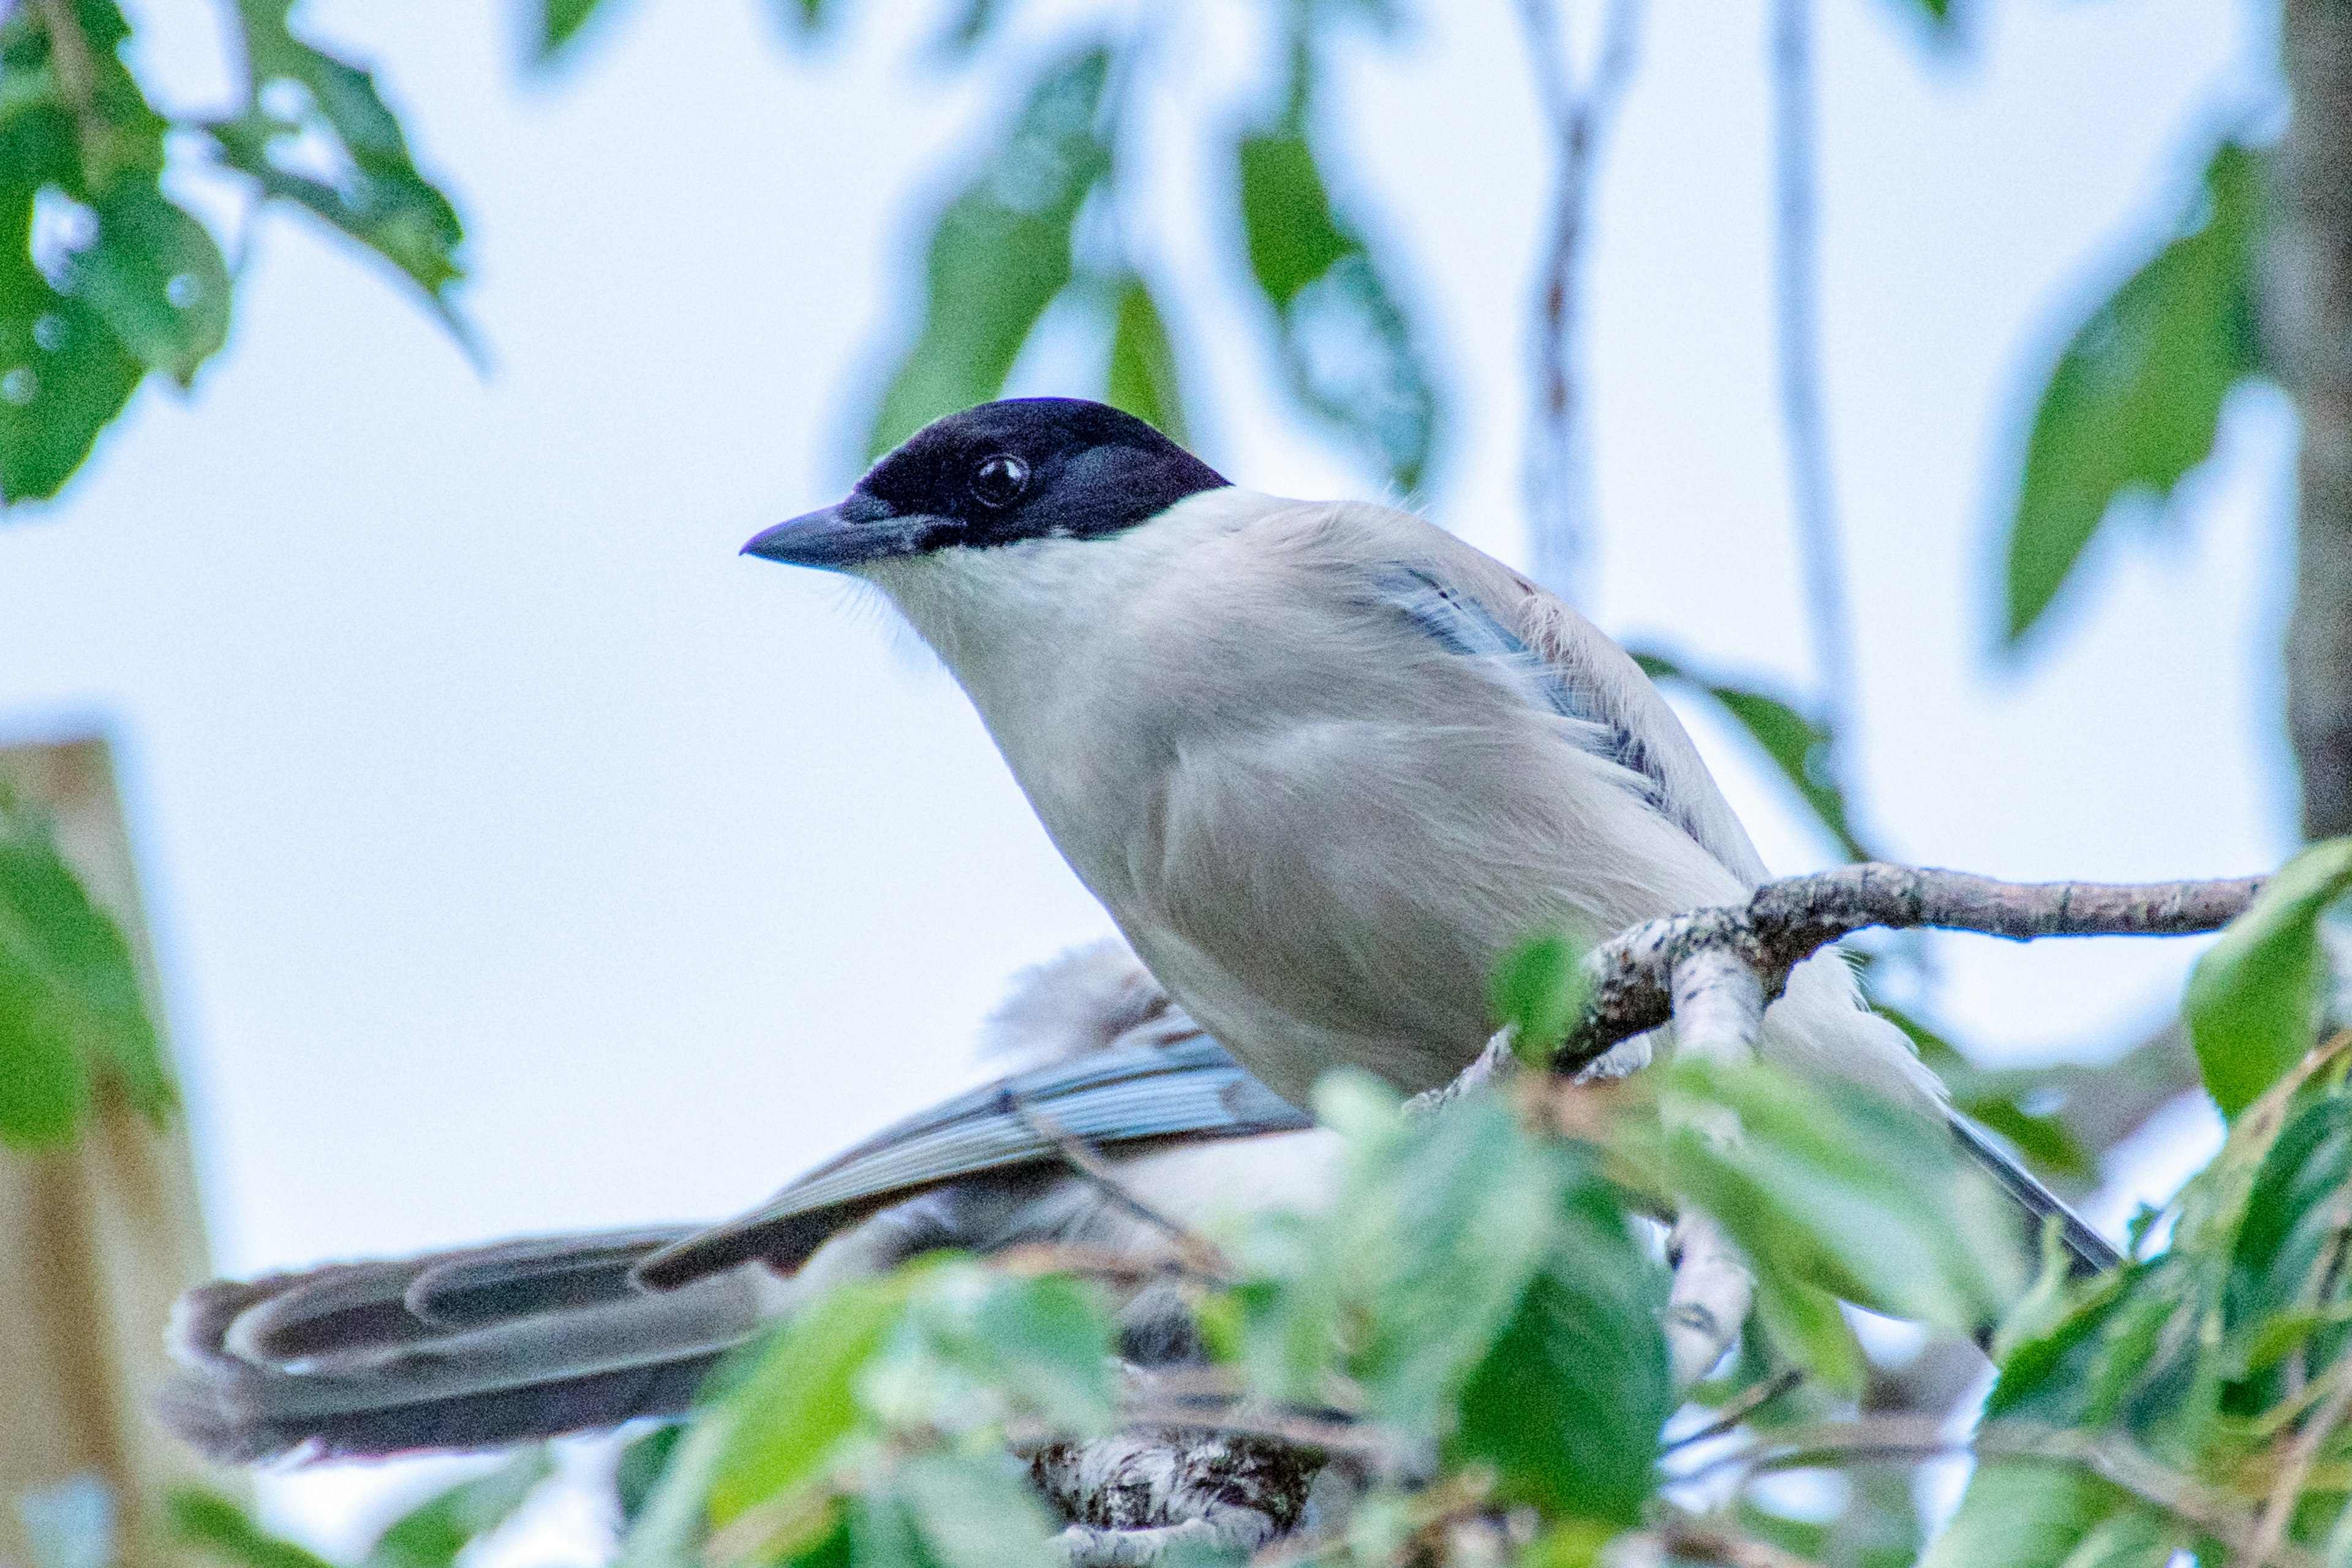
<point x="518" y="859"/>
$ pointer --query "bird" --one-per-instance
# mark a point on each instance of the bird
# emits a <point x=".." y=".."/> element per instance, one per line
<point x="537" y="1337"/>
<point x="1324" y="763"/>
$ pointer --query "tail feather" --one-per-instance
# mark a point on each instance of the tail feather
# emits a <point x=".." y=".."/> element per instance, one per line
<point x="517" y="1339"/>
<point x="2089" y="1252"/>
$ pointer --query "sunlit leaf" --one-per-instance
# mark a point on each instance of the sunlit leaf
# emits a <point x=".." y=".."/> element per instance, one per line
<point x="1346" y="347"/>
<point x="1142" y="364"/>
<point x="226" y="1534"/>
<point x="2255" y="997"/>
<point x="1001" y="253"/>
<point x="155" y="276"/>
<point x="305" y="99"/>
<point x="432" y="1533"/>
<point x="2134" y="399"/>
<point x="1799" y="748"/>
<point x="800" y="1400"/>
<point x="71" y="1008"/>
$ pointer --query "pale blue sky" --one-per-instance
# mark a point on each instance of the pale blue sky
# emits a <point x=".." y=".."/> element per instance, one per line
<point x="523" y="859"/>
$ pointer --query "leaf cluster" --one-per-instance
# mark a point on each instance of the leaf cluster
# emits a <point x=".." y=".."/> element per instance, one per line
<point x="104" y="275"/>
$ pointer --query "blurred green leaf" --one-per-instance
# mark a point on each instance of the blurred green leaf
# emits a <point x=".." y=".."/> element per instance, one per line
<point x="1799" y="748"/>
<point x="63" y="374"/>
<point x="432" y="1533"/>
<point x="2255" y="997"/>
<point x="1480" y="1285"/>
<point x="1142" y="364"/>
<point x="2136" y="397"/>
<point x="2023" y="1513"/>
<point x="157" y="278"/>
<point x="71" y="1008"/>
<point x="1568" y="1402"/>
<point x="1001" y="253"/>
<point x="644" y="1460"/>
<point x="304" y="99"/>
<point x="1850" y="1194"/>
<point x="1998" y="1100"/>
<point x="806" y="18"/>
<point x="559" y="20"/>
<point x="219" y="1528"/>
<point x="800" y="1400"/>
<point x="956" y="1511"/>
<point x="1345" y="345"/>
<point x="1286" y="216"/>
<point x="1539" y="989"/>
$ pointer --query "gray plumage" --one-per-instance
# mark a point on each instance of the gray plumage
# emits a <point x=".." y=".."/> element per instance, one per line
<point x="1325" y="764"/>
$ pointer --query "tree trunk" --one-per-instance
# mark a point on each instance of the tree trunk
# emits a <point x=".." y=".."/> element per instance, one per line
<point x="2311" y="309"/>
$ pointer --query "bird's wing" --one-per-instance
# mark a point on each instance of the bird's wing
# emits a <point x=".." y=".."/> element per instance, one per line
<point x="1473" y="605"/>
<point x="1125" y="1097"/>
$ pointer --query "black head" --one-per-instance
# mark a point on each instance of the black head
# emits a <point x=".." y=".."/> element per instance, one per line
<point x="1028" y="467"/>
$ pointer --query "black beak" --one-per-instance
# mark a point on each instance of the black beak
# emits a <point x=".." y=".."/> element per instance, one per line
<point x="860" y="529"/>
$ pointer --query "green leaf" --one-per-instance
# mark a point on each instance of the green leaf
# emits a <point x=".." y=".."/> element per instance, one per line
<point x="155" y="276"/>
<point x="559" y="21"/>
<point x="1539" y="989"/>
<point x="2255" y="997"/>
<point x="1143" y="365"/>
<point x="1568" y="1402"/>
<point x="2025" y="1513"/>
<point x="1480" y="1285"/>
<point x="1001" y="253"/>
<point x="2136" y="397"/>
<point x="1286" y="220"/>
<point x="1799" y="747"/>
<point x="961" y="1512"/>
<point x="796" y="1404"/>
<point x="64" y="375"/>
<point x="379" y="198"/>
<point x="1345" y="348"/>
<point x="639" y="1471"/>
<point x="72" y="1006"/>
<point x="436" y="1532"/>
<point x="1849" y="1194"/>
<point x="217" y="1527"/>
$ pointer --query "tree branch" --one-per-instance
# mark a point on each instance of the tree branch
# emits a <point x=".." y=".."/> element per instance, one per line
<point x="1555" y="480"/>
<point x="1633" y="976"/>
<point x="1804" y="417"/>
<point x="2309" y="302"/>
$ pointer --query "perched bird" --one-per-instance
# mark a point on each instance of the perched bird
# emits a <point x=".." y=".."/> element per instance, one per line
<point x="1324" y="763"/>
<point x="535" y="1338"/>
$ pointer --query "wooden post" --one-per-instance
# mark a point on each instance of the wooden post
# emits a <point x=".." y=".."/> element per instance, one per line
<point x="95" y="1239"/>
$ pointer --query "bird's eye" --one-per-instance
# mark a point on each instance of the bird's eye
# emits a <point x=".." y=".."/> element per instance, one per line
<point x="999" y="481"/>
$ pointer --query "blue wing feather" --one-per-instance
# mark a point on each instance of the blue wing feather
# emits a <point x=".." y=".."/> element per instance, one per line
<point x="1128" y="1096"/>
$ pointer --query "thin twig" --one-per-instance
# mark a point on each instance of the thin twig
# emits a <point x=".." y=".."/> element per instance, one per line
<point x="1090" y="1166"/>
<point x="1631" y="975"/>
<point x="1803" y="412"/>
<point x="1738" y="1408"/>
<point x="1557" y="484"/>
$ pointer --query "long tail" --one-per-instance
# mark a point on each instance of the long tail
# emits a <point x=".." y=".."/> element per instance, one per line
<point x="2090" y="1252"/>
<point x="450" y="1350"/>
